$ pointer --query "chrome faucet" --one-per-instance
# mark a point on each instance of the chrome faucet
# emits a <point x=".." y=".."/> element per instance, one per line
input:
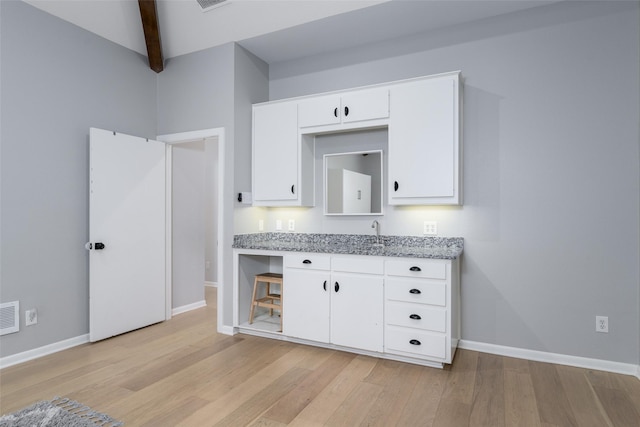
<point x="376" y="225"/>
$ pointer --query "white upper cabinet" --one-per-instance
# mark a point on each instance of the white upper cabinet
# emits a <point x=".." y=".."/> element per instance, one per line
<point x="424" y="154"/>
<point x="350" y="107"/>
<point x="278" y="157"/>
<point x="423" y="117"/>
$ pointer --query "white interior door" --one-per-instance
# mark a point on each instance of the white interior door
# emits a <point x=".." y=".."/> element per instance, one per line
<point x="126" y="215"/>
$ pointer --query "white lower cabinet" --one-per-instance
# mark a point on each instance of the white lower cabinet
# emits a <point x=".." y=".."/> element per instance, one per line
<point x="403" y="309"/>
<point x="357" y="311"/>
<point x="306" y="302"/>
<point x="421" y="309"/>
<point x="341" y="306"/>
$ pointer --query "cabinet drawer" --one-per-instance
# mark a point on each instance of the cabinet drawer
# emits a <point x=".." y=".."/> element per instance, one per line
<point x="369" y="265"/>
<point x="308" y="261"/>
<point x="430" y="269"/>
<point x="416" y="342"/>
<point x="417" y="291"/>
<point x="416" y="316"/>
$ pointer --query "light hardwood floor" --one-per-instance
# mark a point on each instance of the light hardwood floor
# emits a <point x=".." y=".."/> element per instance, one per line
<point x="182" y="372"/>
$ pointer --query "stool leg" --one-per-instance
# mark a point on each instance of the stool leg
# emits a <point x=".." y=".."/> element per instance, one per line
<point x="269" y="293"/>
<point x="281" y="301"/>
<point x="253" y="300"/>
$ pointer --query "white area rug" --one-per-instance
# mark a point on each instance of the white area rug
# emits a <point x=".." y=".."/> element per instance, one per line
<point x="59" y="412"/>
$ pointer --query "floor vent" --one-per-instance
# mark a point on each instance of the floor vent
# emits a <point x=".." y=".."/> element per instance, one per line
<point x="9" y="317"/>
<point x="207" y="5"/>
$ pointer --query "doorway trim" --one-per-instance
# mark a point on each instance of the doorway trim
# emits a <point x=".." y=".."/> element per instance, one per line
<point x="177" y="138"/>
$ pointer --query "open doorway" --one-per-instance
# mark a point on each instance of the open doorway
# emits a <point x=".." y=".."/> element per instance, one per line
<point x="194" y="188"/>
<point x="194" y="212"/>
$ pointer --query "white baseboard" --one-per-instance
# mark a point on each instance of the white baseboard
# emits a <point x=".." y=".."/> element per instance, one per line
<point x="25" y="356"/>
<point x="559" y="359"/>
<point x="226" y="330"/>
<point x="188" y="307"/>
<point x="212" y="284"/>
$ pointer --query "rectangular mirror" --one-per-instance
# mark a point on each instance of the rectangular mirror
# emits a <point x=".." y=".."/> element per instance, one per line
<point x="353" y="183"/>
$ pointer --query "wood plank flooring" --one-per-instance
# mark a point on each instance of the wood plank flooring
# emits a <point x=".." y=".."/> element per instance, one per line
<point x="182" y="373"/>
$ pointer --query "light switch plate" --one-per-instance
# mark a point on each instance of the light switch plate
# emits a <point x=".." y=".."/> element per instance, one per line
<point x="278" y="225"/>
<point x="292" y="225"/>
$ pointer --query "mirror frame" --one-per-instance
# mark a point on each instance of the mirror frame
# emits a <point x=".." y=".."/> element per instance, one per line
<point x="326" y="179"/>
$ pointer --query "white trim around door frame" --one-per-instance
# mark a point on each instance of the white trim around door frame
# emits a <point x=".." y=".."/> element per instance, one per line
<point x="177" y="138"/>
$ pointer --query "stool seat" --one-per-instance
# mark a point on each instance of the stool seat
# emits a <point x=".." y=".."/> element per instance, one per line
<point x="270" y="299"/>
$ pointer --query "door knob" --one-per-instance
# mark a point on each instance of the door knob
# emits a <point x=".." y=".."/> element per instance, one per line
<point x="98" y="246"/>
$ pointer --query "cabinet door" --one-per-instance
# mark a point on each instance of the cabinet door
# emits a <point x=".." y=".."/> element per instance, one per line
<point x="319" y="111"/>
<point x="423" y="142"/>
<point x="348" y="107"/>
<point x="357" y="311"/>
<point x="275" y="153"/>
<point x="306" y="304"/>
<point x="365" y="105"/>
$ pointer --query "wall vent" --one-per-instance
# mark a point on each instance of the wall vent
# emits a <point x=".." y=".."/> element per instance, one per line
<point x="9" y="317"/>
<point x="207" y="5"/>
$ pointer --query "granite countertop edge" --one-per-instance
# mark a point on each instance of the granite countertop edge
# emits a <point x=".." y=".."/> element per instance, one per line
<point x="449" y="248"/>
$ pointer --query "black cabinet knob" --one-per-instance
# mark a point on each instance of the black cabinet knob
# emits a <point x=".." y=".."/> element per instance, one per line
<point x="336" y="287"/>
<point x="395" y="185"/>
<point x="415" y="342"/>
<point x="346" y="111"/>
<point x="415" y="316"/>
<point x="306" y="261"/>
<point x="335" y="112"/>
<point x="324" y="285"/>
<point x="414" y="268"/>
<point x="415" y="291"/>
<point x="293" y="187"/>
<point x="98" y="246"/>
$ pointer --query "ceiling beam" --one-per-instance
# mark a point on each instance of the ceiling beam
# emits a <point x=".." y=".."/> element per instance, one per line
<point x="149" y="15"/>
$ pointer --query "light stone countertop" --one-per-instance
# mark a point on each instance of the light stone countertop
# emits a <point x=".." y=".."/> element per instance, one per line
<point x="354" y="244"/>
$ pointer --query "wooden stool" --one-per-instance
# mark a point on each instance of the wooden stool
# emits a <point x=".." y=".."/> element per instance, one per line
<point x="269" y="300"/>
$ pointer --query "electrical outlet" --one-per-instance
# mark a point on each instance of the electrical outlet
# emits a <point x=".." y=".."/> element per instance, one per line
<point x="278" y="225"/>
<point x="602" y="324"/>
<point x="261" y="225"/>
<point x="292" y="225"/>
<point x="430" y="228"/>
<point x="30" y="317"/>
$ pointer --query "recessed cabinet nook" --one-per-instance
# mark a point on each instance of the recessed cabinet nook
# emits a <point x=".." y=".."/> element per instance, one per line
<point x="422" y="116"/>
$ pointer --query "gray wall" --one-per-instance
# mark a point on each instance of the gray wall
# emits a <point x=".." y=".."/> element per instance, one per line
<point x="57" y="81"/>
<point x="551" y="169"/>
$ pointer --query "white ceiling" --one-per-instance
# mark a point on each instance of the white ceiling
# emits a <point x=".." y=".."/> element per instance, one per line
<point x="273" y="29"/>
